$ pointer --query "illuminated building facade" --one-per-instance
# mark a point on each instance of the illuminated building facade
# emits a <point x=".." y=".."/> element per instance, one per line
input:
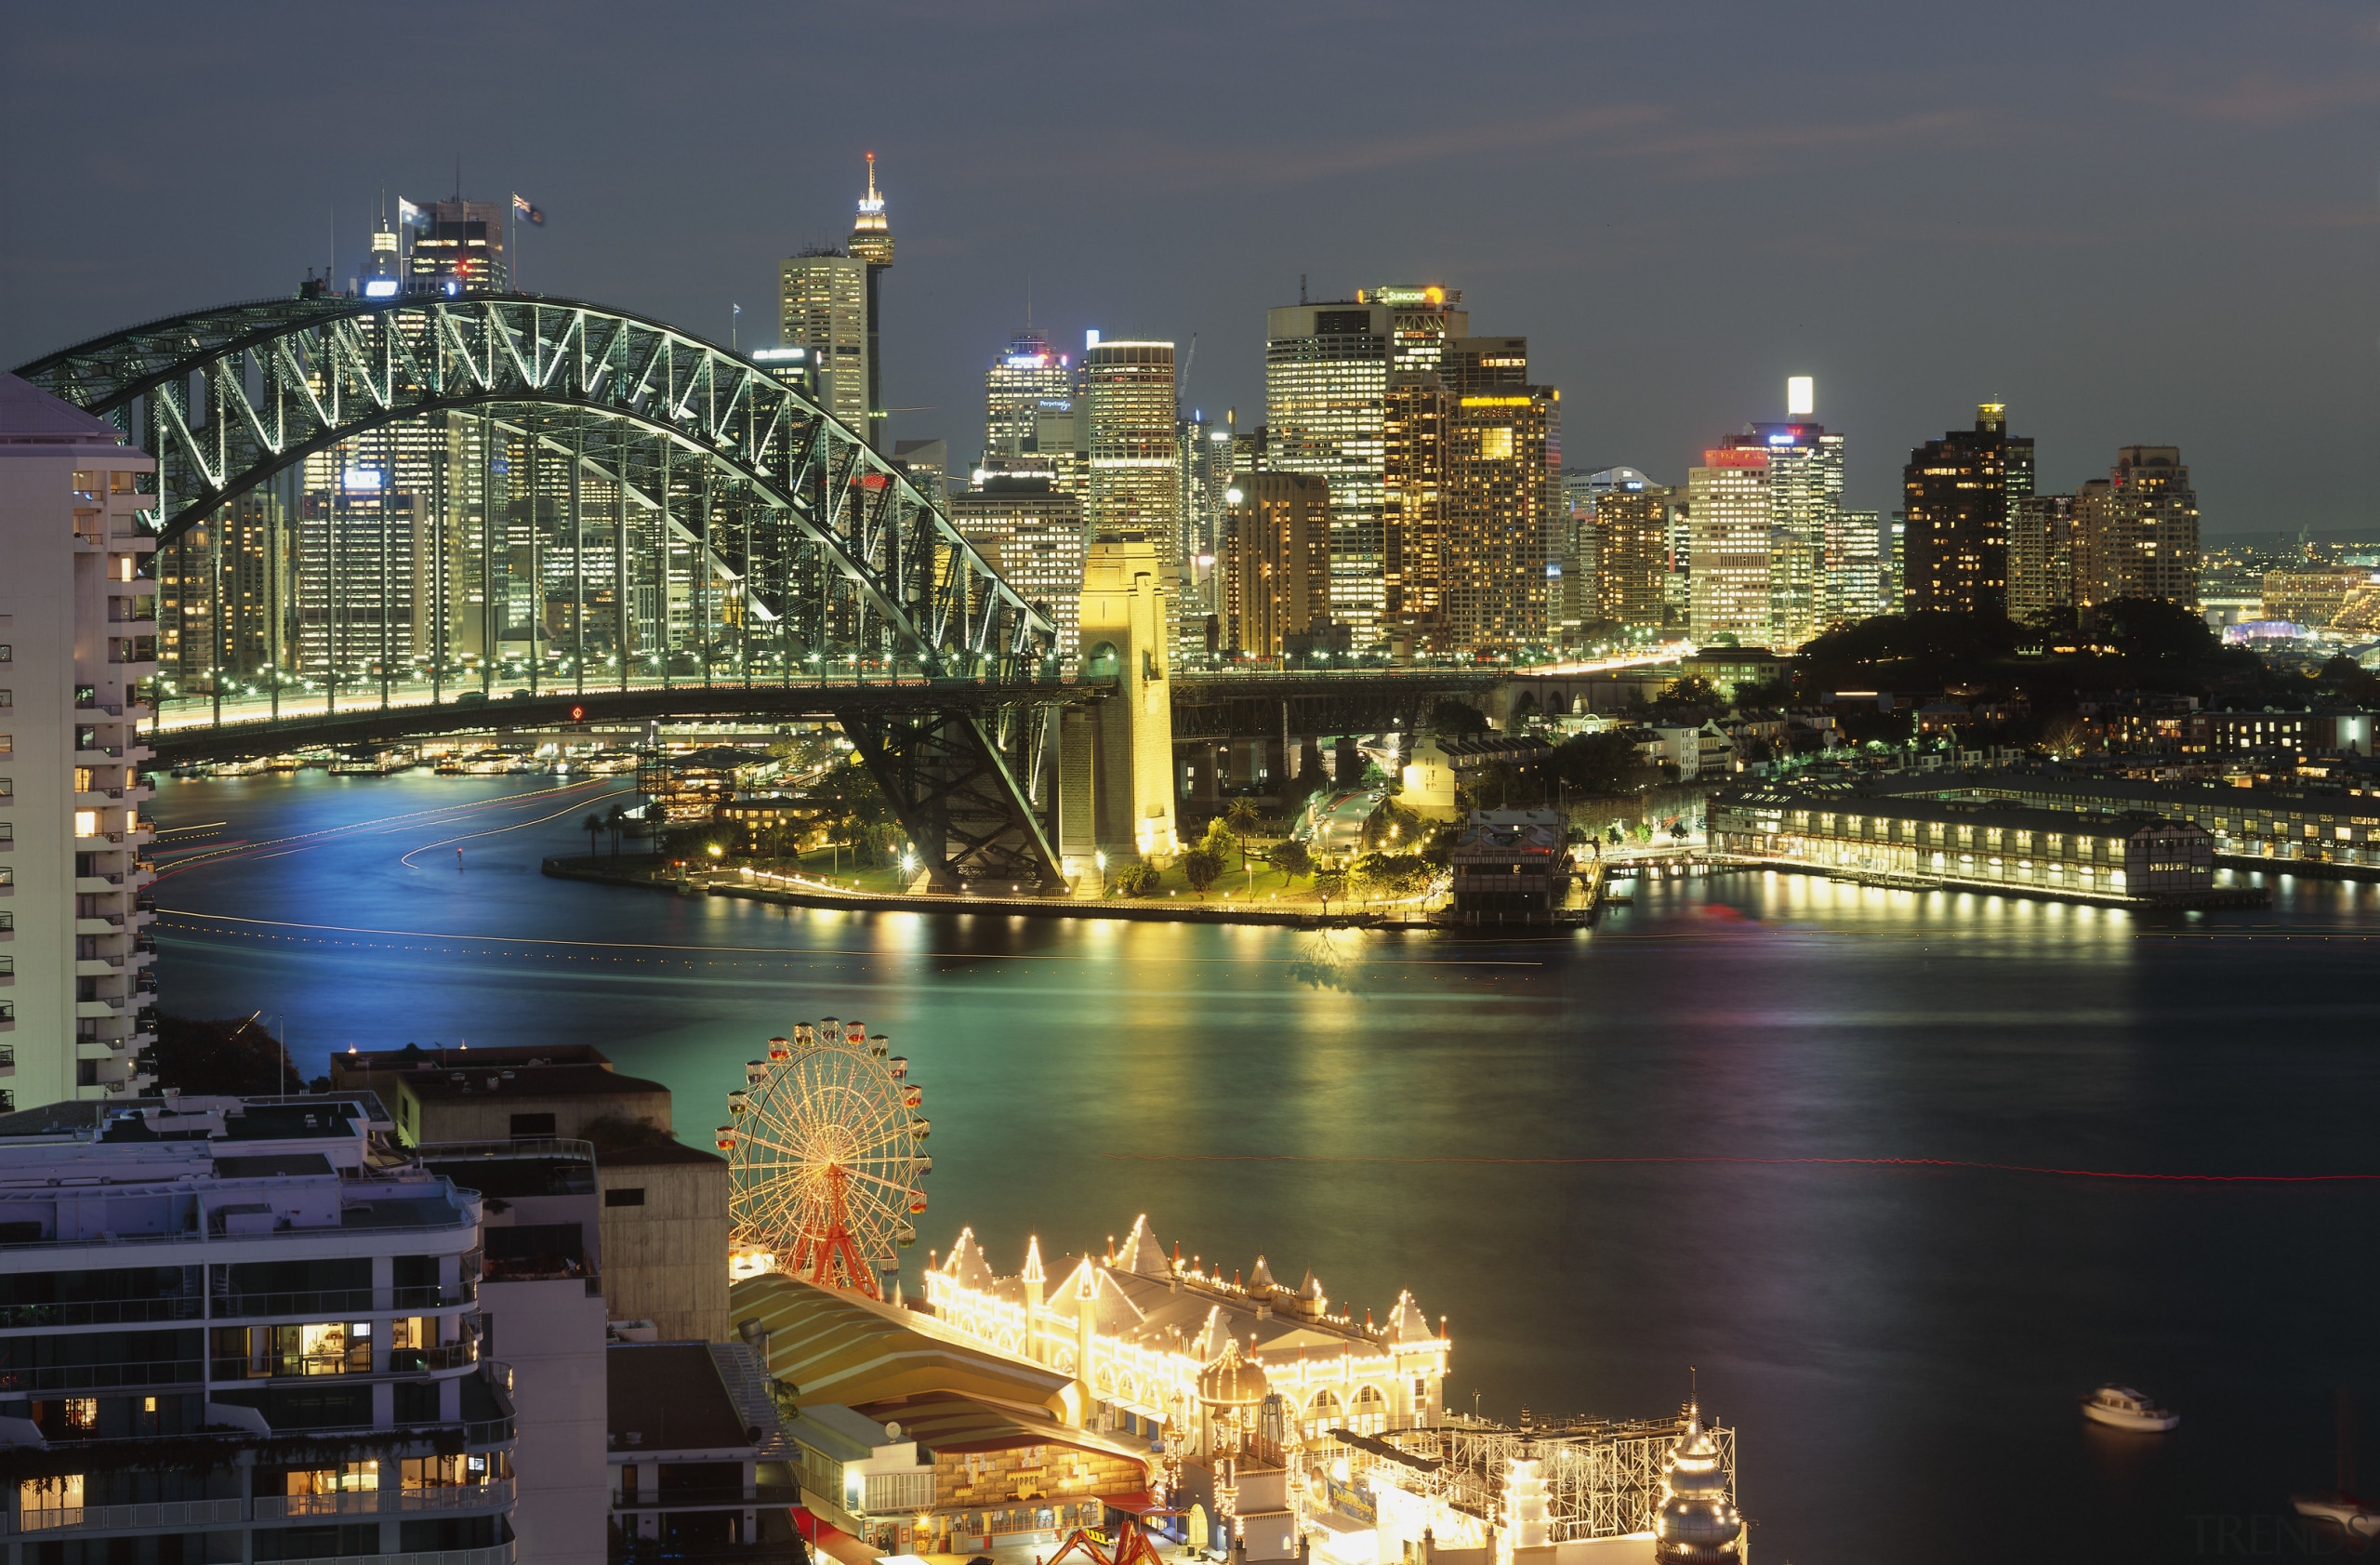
<point x="458" y="248"/>
<point x="1133" y="475"/>
<point x="2041" y="556"/>
<point x="790" y="368"/>
<point x="822" y="307"/>
<point x="1804" y="502"/>
<point x="1413" y="478"/>
<point x="1020" y="384"/>
<point x="1729" y="527"/>
<point x="1275" y="560"/>
<point x="2136" y="531"/>
<point x="1969" y="842"/>
<point x="1032" y="534"/>
<point x="1116" y="790"/>
<point x="77" y="661"/>
<point x="1137" y="1326"/>
<point x="1502" y="478"/>
<point x="1854" y="581"/>
<point x="1955" y="490"/>
<point x="1204" y="483"/>
<point x="1630" y="521"/>
<point x="871" y="243"/>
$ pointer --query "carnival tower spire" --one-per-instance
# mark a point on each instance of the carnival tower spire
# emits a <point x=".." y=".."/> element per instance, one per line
<point x="871" y="241"/>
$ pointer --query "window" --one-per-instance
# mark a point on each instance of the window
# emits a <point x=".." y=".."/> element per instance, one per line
<point x="87" y="823"/>
<point x="87" y="484"/>
<point x="1496" y="444"/>
<point x="122" y="482"/>
<point x="634" y="1197"/>
<point x="532" y="1124"/>
<point x="37" y="1495"/>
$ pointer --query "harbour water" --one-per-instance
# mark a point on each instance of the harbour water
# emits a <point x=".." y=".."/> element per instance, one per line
<point x="1603" y="1156"/>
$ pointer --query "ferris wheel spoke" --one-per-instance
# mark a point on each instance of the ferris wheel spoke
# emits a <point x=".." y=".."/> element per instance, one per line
<point x="825" y="1140"/>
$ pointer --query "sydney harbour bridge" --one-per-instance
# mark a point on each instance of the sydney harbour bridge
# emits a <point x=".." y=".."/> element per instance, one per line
<point x="377" y="517"/>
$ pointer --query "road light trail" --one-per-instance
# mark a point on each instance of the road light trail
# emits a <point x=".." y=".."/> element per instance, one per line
<point x="570" y="808"/>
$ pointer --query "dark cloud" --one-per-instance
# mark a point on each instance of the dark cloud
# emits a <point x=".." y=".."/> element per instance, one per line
<point x="2133" y="226"/>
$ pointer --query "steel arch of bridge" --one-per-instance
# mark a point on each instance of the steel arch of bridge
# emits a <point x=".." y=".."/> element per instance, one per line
<point x="668" y="513"/>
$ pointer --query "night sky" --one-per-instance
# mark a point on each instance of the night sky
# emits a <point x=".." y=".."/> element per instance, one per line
<point x="2133" y="224"/>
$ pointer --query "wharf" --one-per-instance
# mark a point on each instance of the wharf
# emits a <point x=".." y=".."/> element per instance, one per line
<point x="1168" y="911"/>
<point x="2222" y="896"/>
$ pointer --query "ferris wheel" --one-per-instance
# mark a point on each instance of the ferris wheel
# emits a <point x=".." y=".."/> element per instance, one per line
<point x="825" y="1159"/>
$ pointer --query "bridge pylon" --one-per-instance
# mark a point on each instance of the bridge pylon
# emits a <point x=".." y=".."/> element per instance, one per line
<point x="1118" y="792"/>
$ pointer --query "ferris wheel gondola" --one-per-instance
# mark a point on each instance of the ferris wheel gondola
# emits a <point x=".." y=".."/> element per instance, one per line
<point x="825" y="1159"/>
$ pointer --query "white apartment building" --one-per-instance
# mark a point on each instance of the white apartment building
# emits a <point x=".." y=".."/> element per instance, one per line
<point x="245" y="1329"/>
<point x="77" y="646"/>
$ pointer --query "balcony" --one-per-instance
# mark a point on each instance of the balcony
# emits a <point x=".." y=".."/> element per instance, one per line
<point x="101" y="1377"/>
<point x="498" y="1554"/>
<point x="717" y="1498"/>
<point x="337" y="1302"/>
<point x="388" y="1502"/>
<point x="167" y="1513"/>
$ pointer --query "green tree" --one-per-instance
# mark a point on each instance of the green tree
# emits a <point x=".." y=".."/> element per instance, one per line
<point x="1328" y="883"/>
<point x="1391" y="874"/>
<point x="1689" y="697"/>
<point x="226" y="1054"/>
<point x="1241" y="819"/>
<point x="593" y="827"/>
<point x="1457" y="719"/>
<point x="1600" y="764"/>
<point x="1291" y="859"/>
<point x="1201" y="866"/>
<point x="615" y="820"/>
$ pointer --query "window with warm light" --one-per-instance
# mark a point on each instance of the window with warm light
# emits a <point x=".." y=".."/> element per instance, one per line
<point x="61" y="1493"/>
<point x="87" y="823"/>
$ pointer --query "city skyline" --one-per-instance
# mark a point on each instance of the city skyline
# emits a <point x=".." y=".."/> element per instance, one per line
<point x="1640" y="210"/>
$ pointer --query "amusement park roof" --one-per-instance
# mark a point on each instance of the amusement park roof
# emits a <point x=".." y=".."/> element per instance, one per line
<point x="843" y="1347"/>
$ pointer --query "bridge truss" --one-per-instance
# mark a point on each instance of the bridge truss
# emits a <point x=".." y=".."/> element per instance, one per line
<point x="437" y="500"/>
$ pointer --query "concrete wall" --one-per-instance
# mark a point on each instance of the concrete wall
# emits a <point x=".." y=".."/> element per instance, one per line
<point x="665" y="1261"/>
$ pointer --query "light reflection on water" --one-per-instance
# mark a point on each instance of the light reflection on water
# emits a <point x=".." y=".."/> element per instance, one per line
<point x="1900" y="1346"/>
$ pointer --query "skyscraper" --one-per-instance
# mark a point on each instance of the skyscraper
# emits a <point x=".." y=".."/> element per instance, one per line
<point x="2136" y="531"/>
<point x="1630" y="521"/>
<point x="821" y="306"/>
<point x="77" y="616"/>
<point x="1413" y="476"/>
<point x="1502" y="477"/>
<point x="871" y="244"/>
<point x="1276" y="561"/>
<point x="458" y="248"/>
<point x="1018" y="387"/>
<point x="1858" y="580"/>
<point x="1729" y="527"/>
<point x="2041" y="556"/>
<point x="1956" y="492"/>
<point x="1205" y="451"/>
<point x="1325" y="387"/>
<point x="1032" y="534"/>
<point x="1127" y="398"/>
<point x="1799" y="479"/>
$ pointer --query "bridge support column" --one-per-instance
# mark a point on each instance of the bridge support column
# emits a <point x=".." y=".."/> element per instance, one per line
<point x="1123" y="634"/>
<point x="964" y="799"/>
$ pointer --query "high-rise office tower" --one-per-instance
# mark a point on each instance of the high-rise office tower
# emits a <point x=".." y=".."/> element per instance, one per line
<point x="1413" y="476"/>
<point x="1032" y="534"/>
<point x="1799" y="478"/>
<point x="1327" y="369"/>
<point x="1956" y="492"/>
<point x="2041" y="556"/>
<point x="458" y="248"/>
<point x="77" y="654"/>
<point x="1858" y="580"/>
<point x="1205" y="454"/>
<point x="1276" y="561"/>
<point x="871" y="244"/>
<point x="1132" y="443"/>
<point x="2136" y="531"/>
<point x="822" y="307"/>
<point x="1021" y="384"/>
<point x="1631" y="520"/>
<point x="1482" y="366"/>
<point x="927" y="464"/>
<point x="1729" y="527"/>
<point x="1503" y="475"/>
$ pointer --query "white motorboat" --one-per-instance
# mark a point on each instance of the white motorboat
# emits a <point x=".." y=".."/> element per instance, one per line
<point x="2119" y="1407"/>
<point x="2341" y="1510"/>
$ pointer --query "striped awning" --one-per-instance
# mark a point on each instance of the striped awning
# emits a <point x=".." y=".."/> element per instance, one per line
<point x="843" y="1347"/>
